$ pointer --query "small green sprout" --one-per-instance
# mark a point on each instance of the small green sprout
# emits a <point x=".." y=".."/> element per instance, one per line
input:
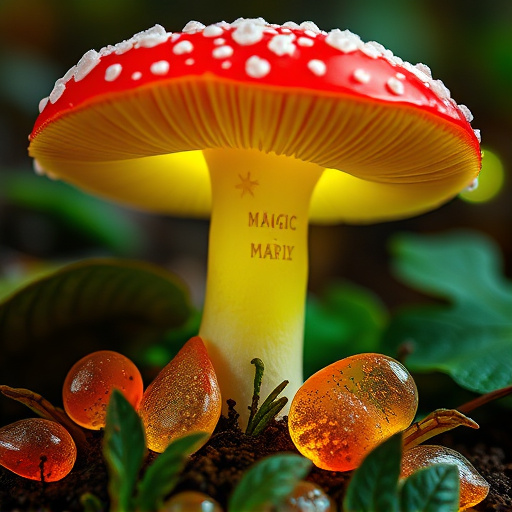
<point x="260" y="418"/>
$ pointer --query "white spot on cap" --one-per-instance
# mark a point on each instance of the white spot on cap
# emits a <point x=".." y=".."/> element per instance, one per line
<point x="257" y="67"/>
<point x="183" y="47"/>
<point x="137" y="75"/>
<point x="361" y="75"/>
<point x="344" y="41"/>
<point x="222" y="52"/>
<point x="151" y="40"/>
<point x="190" y="62"/>
<point x="151" y="37"/>
<point x="395" y="86"/>
<point x="282" y="44"/>
<point x="192" y="27"/>
<point x="467" y="113"/>
<point x="424" y="69"/>
<point x="219" y="41"/>
<point x="400" y="76"/>
<point x="43" y="104"/>
<point x="248" y="33"/>
<point x="57" y="91"/>
<point x="310" y="33"/>
<point x="371" y="51"/>
<point x="159" y="68"/>
<point x="113" y="72"/>
<point x="123" y="47"/>
<point x="417" y="72"/>
<point x="317" y="67"/>
<point x="226" y="64"/>
<point x="255" y="21"/>
<point x="477" y="135"/>
<point x="174" y="37"/>
<point x="396" y="61"/>
<point x="310" y="26"/>
<point x="440" y="89"/>
<point x="86" y="64"/>
<point x="374" y="50"/>
<point x="213" y="31"/>
<point x="107" y="50"/>
<point x="305" y="41"/>
<point x="69" y="74"/>
<point x="292" y="25"/>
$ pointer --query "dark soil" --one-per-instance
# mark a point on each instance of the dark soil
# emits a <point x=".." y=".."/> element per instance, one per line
<point x="219" y="465"/>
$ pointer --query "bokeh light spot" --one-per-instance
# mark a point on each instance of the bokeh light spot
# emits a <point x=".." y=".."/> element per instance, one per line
<point x="490" y="181"/>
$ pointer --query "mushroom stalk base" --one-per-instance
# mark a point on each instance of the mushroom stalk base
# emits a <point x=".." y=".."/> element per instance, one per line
<point x="257" y="270"/>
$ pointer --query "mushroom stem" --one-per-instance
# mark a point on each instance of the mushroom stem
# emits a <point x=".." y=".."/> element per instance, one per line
<point x="257" y="269"/>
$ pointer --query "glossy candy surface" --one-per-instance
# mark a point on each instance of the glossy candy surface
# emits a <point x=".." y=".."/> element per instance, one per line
<point x="346" y="409"/>
<point x="306" y="497"/>
<point x="37" y="449"/>
<point x="473" y="488"/>
<point x="191" y="501"/>
<point x="89" y="384"/>
<point x="183" y="398"/>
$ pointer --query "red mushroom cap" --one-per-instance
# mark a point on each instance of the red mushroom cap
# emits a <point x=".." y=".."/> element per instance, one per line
<point x="323" y="97"/>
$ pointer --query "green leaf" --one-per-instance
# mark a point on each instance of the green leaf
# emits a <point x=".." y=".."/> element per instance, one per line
<point x="431" y="489"/>
<point x="470" y="336"/>
<point x="161" y="477"/>
<point x="373" y="487"/>
<point x="124" y="448"/>
<point x="20" y="276"/>
<point x="270" y="480"/>
<point x="81" y="214"/>
<point x="93" y="292"/>
<point x="343" y="317"/>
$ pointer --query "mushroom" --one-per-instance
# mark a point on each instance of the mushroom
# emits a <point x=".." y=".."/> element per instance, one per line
<point x="264" y="128"/>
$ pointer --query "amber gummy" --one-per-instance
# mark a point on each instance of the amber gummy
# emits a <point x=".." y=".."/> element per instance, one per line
<point x="37" y="449"/>
<point x="89" y="384"/>
<point x="183" y="398"/>
<point x="346" y="409"/>
<point x="473" y="488"/>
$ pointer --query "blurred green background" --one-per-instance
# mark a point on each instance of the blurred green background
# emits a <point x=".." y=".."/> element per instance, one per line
<point x="467" y="44"/>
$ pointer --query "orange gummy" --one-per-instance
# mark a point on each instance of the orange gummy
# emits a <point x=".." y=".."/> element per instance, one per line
<point x="191" y="501"/>
<point x="89" y="384"/>
<point x="183" y="398"/>
<point x="37" y="449"/>
<point x="473" y="488"/>
<point x="346" y="409"/>
<point x="307" y="496"/>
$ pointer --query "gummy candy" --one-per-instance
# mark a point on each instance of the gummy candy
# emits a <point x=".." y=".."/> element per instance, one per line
<point x="191" y="501"/>
<point x="473" y="488"/>
<point x="307" y="497"/>
<point x="346" y="409"/>
<point x="183" y="398"/>
<point x="89" y="384"/>
<point x="37" y="449"/>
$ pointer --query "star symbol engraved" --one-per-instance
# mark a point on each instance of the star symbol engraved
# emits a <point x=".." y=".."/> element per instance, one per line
<point x="246" y="185"/>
